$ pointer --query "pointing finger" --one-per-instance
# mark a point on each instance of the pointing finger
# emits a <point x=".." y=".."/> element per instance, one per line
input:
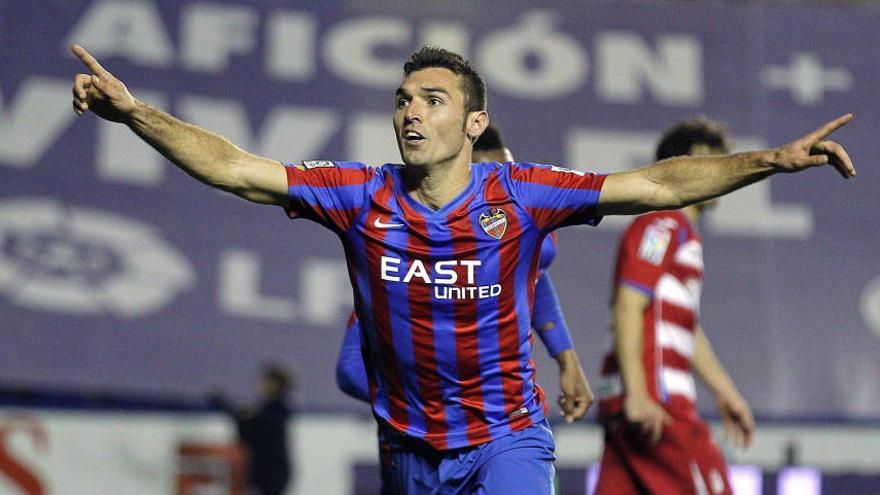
<point x="88" y="60"/>
<point x="822" y="132"/>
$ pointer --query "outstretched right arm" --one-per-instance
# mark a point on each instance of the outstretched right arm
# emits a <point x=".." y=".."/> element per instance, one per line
<point x="204" y="155"/>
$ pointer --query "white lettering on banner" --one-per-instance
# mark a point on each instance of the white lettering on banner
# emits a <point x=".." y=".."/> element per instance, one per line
<point x="806" y="79"/>
<point x="212" y="33"/>
<point x="869" y="305"/>
<point x="350" y="50"/>
<point x="626" y="66"/>
<point x="239" y="290"/>
<point x="371" y="139"/>
<point x="290" y="45"/>
<point x="31" y="124"/>
<point x="751" y="211"/>
<point x="452" y="36"/>
<point x="533" y="59"/>
<point x="325" y="290"/>
<point x="288" y="133"/>
<point x="125" y="28"/>
<point x="82" y="261"/>
<point x="560" y="65"/>
<point x="748" y="211"/>
<point x="121" y="156"/>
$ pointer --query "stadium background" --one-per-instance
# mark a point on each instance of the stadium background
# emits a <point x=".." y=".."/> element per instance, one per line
<point x="126" y="282"/>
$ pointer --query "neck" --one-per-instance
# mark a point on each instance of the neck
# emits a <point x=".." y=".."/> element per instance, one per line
<point x="437" y="184"/>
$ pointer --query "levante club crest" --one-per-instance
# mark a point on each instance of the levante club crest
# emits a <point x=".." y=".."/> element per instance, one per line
<point x="494" y="222"/>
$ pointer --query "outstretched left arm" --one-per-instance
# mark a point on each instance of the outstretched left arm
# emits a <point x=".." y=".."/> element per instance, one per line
<point x="685" y="180"/>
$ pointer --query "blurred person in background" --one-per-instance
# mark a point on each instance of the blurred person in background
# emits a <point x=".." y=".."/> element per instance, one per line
<point x="262" y="431"/>
<point x="654" y="441"/>
<point x="443" y="256"/>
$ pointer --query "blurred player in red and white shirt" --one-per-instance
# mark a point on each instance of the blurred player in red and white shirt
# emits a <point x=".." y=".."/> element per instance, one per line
<point x="654" y="441"/>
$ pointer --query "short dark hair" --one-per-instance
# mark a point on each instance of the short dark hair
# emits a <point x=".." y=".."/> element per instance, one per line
<point x="679" y="139"/>
<point x="471" y="83"/>
<point x="489" y="140"/>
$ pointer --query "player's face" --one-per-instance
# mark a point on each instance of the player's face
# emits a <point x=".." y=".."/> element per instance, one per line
<point x="701" y="149"/>
<point x="500" y="155"/>
<point x="429" y="118"/>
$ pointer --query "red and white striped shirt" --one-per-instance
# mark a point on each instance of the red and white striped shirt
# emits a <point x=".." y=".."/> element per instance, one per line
<point x="661" y="255"/>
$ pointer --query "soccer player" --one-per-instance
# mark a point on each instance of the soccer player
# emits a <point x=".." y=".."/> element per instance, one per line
<point x="547" y="318"/>
<point x="654" y="440"/>
<point x="443" y="256"/>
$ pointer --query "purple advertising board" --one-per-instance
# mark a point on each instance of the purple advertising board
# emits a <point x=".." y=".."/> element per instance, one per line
<point x="120" y="273"/>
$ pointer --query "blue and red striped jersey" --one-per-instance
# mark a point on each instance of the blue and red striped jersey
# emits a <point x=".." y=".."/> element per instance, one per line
<point x="351" y="376"/>
<point x="444" y="297"/>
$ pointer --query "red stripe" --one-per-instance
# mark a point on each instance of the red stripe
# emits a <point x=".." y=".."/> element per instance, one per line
<point x="366" y="352"/>
<point x="508" y="320"/>
<point x="467" y="353"/>
<point x="563" y="180"/>
<point x="674" y="313"/>
<point x="686" y="272"/>
<point x="674" y="360"/>
<point x="328" y="177"/>
<point x="374" y="246"/>
<point x="422" y="330"/>
<point x="342" y="219"/>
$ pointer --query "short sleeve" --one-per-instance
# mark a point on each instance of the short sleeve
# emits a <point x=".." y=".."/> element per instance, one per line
<point x="645" y="251"/>
<point x="329" y="193"/>
<point x="556" y="196"/>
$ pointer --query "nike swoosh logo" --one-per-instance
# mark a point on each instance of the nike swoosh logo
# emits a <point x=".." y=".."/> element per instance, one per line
<point x="379" y="224"/>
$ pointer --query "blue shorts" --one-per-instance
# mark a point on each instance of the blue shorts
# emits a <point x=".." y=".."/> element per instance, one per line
<point x="519" y="463"/>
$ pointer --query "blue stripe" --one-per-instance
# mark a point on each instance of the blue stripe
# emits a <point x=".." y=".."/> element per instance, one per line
<point x="529" y="250"/>
<point x="443" y="314"/>
<point x="648" y="291"/>
<point x="487" y="320"/>
<point x="536" y="195"/>
<point x="355" y="250"/>
<point x="401" y="330"/>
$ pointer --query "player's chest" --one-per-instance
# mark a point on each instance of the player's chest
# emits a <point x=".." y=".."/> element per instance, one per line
<point x="480" y="228"/>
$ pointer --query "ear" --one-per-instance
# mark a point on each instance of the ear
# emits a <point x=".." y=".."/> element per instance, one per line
<point x="476" y="124"/>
